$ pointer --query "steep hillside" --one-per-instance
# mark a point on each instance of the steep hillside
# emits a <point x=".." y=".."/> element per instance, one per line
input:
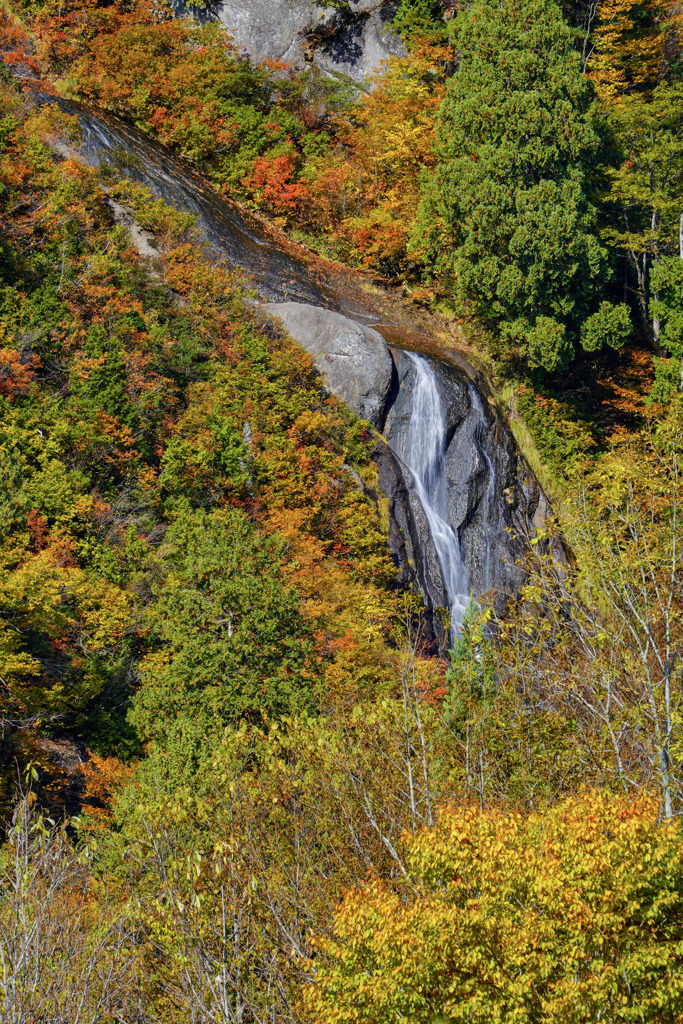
<point x="306" y="714"/>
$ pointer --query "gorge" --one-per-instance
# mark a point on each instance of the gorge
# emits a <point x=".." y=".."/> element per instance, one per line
<point x="463" y="504"/>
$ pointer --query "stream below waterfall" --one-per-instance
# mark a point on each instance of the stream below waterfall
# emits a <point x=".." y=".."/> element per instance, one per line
<point x="462" y="502"/>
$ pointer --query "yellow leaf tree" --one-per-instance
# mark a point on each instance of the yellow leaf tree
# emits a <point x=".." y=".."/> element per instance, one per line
<point x="571" y="916"/>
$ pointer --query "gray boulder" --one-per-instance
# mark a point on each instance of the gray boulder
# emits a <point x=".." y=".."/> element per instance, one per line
<point x="354" y="360"/>
<point x="352" y="39"/>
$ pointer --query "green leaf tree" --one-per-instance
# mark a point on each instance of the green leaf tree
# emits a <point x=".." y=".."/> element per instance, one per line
<point x="666" y="310"/>
<point x="233" y="641"/>
<point x="99" y="377"/>
<point x="646" y="190"/>
<point x="506" y="214"/>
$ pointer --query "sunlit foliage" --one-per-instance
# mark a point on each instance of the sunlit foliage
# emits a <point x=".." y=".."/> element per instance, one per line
<point x="560" y="916"/>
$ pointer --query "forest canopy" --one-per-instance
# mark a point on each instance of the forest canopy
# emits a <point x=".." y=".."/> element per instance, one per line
<point x="243" y="777"/>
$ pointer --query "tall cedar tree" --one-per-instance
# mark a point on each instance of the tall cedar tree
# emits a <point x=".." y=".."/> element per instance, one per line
<point x="506" y="215"/>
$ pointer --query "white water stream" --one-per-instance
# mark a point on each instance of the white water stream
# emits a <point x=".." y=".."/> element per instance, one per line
<point x="424" y="457"/>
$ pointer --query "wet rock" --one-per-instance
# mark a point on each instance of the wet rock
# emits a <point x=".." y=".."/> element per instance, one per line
<point x="352" y="38"/>
<point x="404" y="539"/>
<point x="354" y="360"/>
<point x="493" y="502"/>
<point x="409" y="541"/>
<point x="455" y="400"/>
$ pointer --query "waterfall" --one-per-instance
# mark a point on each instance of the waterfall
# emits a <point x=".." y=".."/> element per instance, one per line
<point x="426" y="446"/>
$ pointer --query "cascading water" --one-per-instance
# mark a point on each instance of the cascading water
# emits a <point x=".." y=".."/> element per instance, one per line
<point x="424" y="455"/>
<point x="281" y="272"/>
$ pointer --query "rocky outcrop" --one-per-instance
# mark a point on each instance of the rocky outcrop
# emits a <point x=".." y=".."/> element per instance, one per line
<point x="352" y="38"/>
<point x="144" y="241"/>
<point x="491" y="499"/>
<point x="354" y="360"/>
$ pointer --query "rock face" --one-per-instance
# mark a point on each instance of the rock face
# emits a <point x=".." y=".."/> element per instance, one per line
<point x="494" y="504"/>
<point x="354" y="360"/>
<point x="142" y="240"/>
<point x="352" y="38"/>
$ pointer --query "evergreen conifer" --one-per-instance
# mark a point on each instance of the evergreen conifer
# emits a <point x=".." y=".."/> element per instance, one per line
<point x="506" y="214"/>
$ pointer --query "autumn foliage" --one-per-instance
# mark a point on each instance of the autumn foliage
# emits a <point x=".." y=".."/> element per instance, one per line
<point x="569" y="915"/>
<point x="238" y="781"/>
<point x="344" y="173"/>
<point x="119" y="408"/>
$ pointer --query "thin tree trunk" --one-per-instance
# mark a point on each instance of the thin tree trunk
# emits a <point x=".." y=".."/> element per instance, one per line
<point x="666" y="779"/>
<point x="640" y="266"/>
<point x="680" y="253"/>
<point x="655" y="320"/>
